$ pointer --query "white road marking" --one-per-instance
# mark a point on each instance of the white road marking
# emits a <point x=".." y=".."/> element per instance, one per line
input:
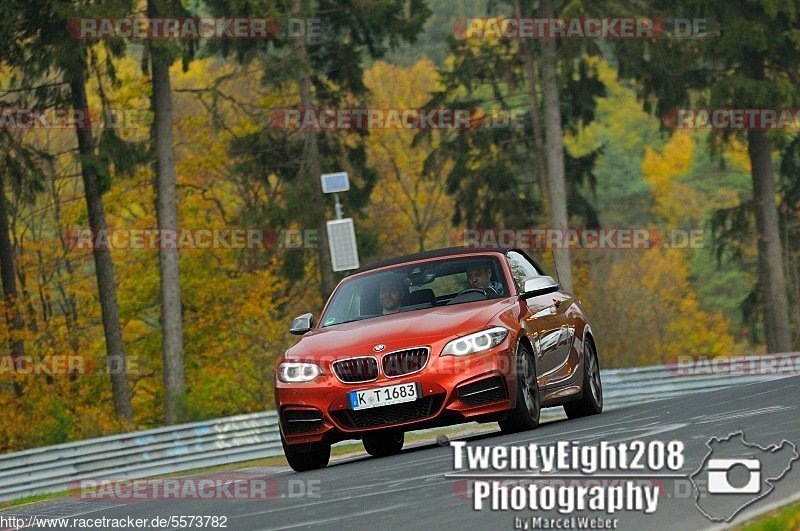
<point x="343" y="517"/>
<point x="742" y="413"/>
<point x="340" y="499"/>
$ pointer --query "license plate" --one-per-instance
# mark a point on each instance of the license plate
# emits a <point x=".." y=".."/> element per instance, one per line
<point x="383" y="396"/>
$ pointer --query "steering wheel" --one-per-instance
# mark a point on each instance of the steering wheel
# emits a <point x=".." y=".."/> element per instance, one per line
<point x="486" y="292"/>
<point x="482" y="291"/>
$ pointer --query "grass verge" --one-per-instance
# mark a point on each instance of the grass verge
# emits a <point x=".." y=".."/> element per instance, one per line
<point x="784" y="518"/>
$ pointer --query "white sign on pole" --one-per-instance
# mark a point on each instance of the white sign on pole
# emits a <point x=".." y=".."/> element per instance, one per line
<point x="342" y="242"/>
<point x="335" y="182"/>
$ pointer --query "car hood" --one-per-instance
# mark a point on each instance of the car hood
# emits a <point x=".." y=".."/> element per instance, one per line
<point x="415" y="328"/>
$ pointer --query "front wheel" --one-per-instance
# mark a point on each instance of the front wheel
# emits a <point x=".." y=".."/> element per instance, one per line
<point x="304" y="457"/>
<point x="525" y="415"/>
<point x="591" y="401"/>
<point x="384" y="444"/>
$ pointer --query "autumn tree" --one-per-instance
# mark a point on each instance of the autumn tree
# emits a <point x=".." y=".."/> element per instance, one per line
<point x="749" y="62"/>
<point x="21" y="168"/>
<point x="495" y="177"/>
<point x="41" y="45"/>
<point x="408" y="206"/>
<point x="162" y="54"/>
<point x="327" y="72"/>
<point x="646" y="304"/>
<point x="554" y="145"/>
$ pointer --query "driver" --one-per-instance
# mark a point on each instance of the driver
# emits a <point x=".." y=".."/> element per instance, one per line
<point x="480" y="276"/>
<point x="390" y="295"/>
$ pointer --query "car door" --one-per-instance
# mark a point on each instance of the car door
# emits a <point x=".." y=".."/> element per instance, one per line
<point x="565" y="357"/>
<point x="548" y="321"/>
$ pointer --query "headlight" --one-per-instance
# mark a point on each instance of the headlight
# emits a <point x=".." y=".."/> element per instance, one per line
<point x="293" y="372"/>
<point x="477" y="342"/>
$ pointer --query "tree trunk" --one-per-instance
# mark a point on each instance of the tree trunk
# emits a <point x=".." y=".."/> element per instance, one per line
<point x="554" y="147"/>
<point x="9" y="283"/>
<point x="104" y="267"/>
<point x="167" y="213"/>
<point x="537" y="155"/>
<point x="70" y="308"/>
<point x="770" y="260"/>
<point x="312" y="166"/>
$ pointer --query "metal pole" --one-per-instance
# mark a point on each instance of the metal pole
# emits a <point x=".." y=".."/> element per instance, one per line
<point x="338" y="207"/>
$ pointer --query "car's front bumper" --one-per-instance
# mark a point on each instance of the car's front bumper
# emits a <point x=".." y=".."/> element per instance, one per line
<point x="453" y="390"/>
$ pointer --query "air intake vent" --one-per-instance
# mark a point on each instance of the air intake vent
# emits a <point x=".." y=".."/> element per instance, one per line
<point x="302" y="420"/>
<point x="389" y="415"/>
<point x="483" y="391"/>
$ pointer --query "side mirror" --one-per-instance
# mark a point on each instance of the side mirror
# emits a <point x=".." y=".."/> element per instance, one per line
<point x="301" y="324"/>
<point x="539" y="286"/>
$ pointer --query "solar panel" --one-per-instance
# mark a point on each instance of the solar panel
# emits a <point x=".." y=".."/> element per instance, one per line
<point x="335" y="182"/>
<point x="342" y="242"/>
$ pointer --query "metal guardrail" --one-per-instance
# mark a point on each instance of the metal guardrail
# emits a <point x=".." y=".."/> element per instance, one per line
<point x="255" y="436"/>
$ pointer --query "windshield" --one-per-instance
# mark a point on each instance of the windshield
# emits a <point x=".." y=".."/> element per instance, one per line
<point x="413" y="287"/>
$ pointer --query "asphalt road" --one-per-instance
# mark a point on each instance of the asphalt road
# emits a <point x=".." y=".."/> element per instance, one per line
<point x="412" y="491"/>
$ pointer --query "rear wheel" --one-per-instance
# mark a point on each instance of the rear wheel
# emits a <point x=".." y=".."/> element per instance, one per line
<point x="304" y="457"/>
<point x="525" y="415"/>
<point x="384" y="443"/>
<point x="591" y="401"/>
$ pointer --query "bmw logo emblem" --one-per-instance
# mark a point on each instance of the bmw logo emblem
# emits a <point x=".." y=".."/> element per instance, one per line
<point x="379" y="348"/>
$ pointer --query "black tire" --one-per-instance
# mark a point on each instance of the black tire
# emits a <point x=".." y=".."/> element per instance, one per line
<point x="305" y="457"/>
<point x="384" y="443"/>
<point x="525" y="415"/>
<point x="591" y="400"/>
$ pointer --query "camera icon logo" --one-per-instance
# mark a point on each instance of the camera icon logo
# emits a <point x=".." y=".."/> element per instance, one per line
<point x="735" y="473"/>
<point x="720" y="483"/>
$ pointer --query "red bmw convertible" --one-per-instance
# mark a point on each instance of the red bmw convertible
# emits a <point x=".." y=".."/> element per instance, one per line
<point x="432" y="339"/>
